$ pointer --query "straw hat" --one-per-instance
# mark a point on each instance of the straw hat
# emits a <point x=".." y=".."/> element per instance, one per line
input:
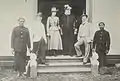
<point x="53" y="9"/>
<point x="21" y="18"/>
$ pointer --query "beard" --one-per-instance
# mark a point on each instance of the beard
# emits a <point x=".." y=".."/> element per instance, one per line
<point x="67" y="12"/>
<point x="101" y="28"/>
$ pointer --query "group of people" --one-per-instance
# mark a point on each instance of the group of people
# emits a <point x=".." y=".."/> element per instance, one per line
<point x="60" y="33"/>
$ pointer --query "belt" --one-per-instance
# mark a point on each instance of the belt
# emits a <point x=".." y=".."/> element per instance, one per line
<point x="82" y="36"/>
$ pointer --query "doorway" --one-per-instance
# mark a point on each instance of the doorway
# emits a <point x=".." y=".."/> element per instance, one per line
<point x="78" y="8"/>
<point x="44" y="6"/>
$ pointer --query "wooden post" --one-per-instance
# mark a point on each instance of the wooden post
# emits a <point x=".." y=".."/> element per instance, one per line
<point x="94" y="64"/>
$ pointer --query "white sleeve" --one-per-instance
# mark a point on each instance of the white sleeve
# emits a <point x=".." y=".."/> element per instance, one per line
<point x="91" y="31"/>
<point x="48" y="24"/>
<point x="78" y="36"/>
<point x="31" y="37"/>
<point x="44" y="34"/>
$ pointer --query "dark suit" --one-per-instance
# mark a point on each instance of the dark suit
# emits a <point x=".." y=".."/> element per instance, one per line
<point x="20" y="40"/>
<point x="67" y="24"/>
<point x="102" y="43"/>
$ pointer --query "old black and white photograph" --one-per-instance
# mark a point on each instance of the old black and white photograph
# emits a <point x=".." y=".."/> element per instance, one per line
<point x="59" y="40"/>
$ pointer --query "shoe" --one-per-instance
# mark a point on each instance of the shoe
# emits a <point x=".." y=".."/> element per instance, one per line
<point x="19" y="74"/>
<point x="42" y="63"/>
<point x="25" y="75"/>
<point x="79" y="56"/>
<point x="84" y="63"/>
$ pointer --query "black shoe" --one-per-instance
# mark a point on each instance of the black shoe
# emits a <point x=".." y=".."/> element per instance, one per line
<point x="84" y="63"/>
<point x="79" y="56"/>
<point x="42" y="62"/>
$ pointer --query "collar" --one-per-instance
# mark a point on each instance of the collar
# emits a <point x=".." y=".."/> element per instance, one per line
<point x="21" y="26"/>
<point x="84" y="23"/>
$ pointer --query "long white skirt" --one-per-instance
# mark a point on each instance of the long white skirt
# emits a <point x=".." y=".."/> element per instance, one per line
<point x="55" y="41"/>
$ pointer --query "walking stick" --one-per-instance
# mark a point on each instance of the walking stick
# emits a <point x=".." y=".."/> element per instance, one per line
<point x="48" y="39"/>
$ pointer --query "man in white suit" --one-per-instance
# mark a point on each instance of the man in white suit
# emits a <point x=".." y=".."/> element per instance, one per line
<point x="84" y="37"/>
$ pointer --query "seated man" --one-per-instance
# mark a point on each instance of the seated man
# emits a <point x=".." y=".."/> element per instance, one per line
<point x="84" y="37"/>
<point x="39" y="39"/>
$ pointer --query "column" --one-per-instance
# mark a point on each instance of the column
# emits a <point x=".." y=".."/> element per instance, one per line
<point x="89" y="8"/>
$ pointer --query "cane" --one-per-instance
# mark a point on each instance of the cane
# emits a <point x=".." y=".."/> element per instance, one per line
<point x="48" y="39"/>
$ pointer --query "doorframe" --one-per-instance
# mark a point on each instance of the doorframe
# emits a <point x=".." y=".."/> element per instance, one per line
<point x="89" y="8"/>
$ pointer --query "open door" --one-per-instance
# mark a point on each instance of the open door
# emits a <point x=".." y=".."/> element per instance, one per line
<point x="78" y="8"/>
<point x="44" y="6"/>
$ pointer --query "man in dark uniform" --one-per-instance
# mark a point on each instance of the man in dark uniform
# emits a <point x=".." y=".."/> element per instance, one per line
<point x="20" y="40"/>
<point x="68" y="26"/>
<point x="101" y="44"/>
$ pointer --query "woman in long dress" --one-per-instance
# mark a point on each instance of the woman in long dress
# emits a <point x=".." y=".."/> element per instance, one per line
<point x="53" y="31"/>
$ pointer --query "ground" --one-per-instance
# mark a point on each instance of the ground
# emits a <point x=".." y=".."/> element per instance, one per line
<point x="9" y="75"/>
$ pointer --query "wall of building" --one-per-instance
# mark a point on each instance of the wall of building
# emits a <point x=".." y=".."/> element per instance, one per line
<point x="107" y="11"/>
<point x="10" y="11"/>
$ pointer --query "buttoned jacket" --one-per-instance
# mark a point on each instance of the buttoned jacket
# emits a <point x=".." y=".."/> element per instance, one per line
<point x="101" y="40"/>
<point x="20" y="39"/>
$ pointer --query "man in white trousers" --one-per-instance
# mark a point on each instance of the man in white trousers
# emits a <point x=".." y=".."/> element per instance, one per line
<point x="84" y="37"/>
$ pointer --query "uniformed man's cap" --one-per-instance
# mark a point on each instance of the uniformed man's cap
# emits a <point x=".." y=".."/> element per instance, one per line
<point x="101" y="24"/>
<point x="21" y="19"/>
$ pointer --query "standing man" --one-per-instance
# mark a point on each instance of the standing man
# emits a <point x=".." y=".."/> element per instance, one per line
<point x="84" y="37"/>
<point x="101" y="44"/>
<point x="68" y="27"/>
<point x="39" y="39"/>
<point x="20" y="40"/>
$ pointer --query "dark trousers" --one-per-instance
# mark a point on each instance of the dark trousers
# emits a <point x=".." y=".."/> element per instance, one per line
<point x="20" y="61"/>
<point x="102" y="59"/>
<point x="39" y="48"/>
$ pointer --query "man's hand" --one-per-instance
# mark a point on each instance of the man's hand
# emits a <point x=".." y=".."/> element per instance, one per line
<point x="93" y="50"/>
<point x="61" y="33"/>
<point x="48" y="34"/>
<point x="30" y="50"/>
<point x="45" y="40"/>
<point x="12" y="51"/>
<point x="75" y="32"/>
<point x="106" y="51"/>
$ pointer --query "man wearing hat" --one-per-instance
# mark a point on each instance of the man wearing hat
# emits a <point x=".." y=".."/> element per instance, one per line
<point x="101" y="44"/>
<point x="68" y="26"/>
<point x="85" y="34"/>
<point x="20" y="41"/>
<point x="39" y="39"/>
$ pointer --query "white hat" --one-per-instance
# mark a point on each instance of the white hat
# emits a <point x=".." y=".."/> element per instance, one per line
<point x="53" y="9"/>
<point x="39" y="14"/>
<point x="67" y="7"/>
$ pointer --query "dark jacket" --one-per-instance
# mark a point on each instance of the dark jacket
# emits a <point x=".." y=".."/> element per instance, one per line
<point x="20" y="39"/>
<point x="67" y="23"/>
<point x="101" y="40"/>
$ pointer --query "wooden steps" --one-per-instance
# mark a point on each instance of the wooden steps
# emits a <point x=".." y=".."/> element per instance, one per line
<point x="64" y="64"/>
<point x="58" y="64"/>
